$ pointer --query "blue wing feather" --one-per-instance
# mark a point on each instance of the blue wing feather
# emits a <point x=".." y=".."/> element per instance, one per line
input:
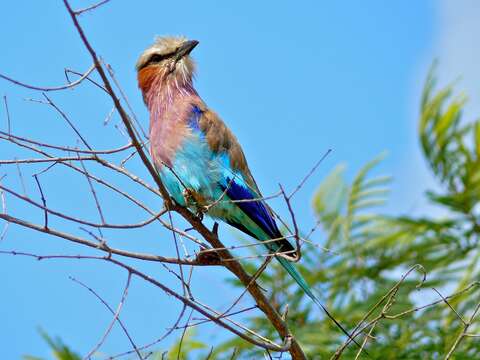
<point x="232" y="181"/>
<point x="194" y="120"/>
<point x="255" y="210"/>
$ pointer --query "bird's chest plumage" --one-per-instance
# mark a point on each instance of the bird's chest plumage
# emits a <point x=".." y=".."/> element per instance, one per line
<point x="186" y="164"/>
<point x="194" y="172"/>
<point x="167" y="132"/>
<point x="192" y="158"/>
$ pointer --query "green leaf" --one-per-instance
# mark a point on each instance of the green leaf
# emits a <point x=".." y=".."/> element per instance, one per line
<point x="60" y="351"/>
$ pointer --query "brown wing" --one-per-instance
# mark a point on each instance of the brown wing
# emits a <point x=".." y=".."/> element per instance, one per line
<point x="221" y="139"/>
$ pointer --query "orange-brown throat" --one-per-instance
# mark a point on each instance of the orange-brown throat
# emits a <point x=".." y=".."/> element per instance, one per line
<point x="146" y="77"/>
<point x="160" y="86"/>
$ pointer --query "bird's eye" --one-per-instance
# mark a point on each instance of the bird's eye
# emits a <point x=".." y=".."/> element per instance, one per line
<point x="156" y="58"/>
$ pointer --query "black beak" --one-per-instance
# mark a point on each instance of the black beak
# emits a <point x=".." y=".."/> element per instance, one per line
<point x="186" y="48"/>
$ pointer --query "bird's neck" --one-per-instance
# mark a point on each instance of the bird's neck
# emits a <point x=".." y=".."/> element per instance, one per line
<point x="169" y="100"/>
<point x="161" y="90"/>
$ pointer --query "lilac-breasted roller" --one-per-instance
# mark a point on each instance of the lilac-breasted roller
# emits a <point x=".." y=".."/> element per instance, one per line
<point x="198" y="158"/>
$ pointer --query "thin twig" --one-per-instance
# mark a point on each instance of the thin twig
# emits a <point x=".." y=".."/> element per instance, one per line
<point x="450" y="306"/>
<point x="81" y="221"/>
<point x="463" y="333"/>
<point x="82" y="241"/>
<point x="20" y="176"/>
<point x="36" y="161"/>
<point x="91" y="7"/>
<point x="4" y="211"/>
<point x="298" y="243"/>
<point x="67" y="71"/>
<point x="114" y="320"/>
<point x="184" y="331"/>
<point x="187" y="301"/>
<point x="387" y="300"/>
<point x="9" y="125"/>
<point x="310" y="173"/>
<point x="120" y="322"/>
<point x="109" y="117"/>
<point x="125" y="98"/>
<point x="65" y="148"/>
<point x="47" y="89"/>
<point x="65" y="117"/>
<point x="94" y="194"/>
<point x="255" y="276"/>
<point x="161" y="338"/>
<point x="203" y="320"/>
<point x="44" y="201"/>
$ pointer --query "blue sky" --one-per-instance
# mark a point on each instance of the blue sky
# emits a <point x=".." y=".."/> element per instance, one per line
<point x="291" y="80"/>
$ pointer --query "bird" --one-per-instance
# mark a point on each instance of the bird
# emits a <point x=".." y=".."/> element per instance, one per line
<point x="198" y="158"/>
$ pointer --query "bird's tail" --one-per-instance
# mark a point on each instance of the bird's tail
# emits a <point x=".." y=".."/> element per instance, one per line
<point x="290" y="267"/>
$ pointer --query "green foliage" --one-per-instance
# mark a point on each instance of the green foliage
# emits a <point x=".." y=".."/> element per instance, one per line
<point x="451" y="147"/>
<point x="60" y="351"/>
<point x="187" y="344"/>
<point x="369" y="252"/>
<point x="368" y="275"/>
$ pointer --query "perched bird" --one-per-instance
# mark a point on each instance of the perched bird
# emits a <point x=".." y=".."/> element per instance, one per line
<point x="198" y="158"/>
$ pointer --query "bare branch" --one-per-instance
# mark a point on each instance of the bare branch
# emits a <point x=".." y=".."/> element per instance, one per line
<point x="65" y="117"/>
<point x="81" y="221"/>
<point x="9" y="125"/>
<point x="135" y="348"/>
<point x="310" y="173"/>
<point x="47" y="89"/>
<point x="192" y="304"/>
<point x="125" y="99"/>
<point x="298" y="243"/>
<point x="450" y="306"/>
<point x="36" y="161"/>
<point x="88" y="78"/>
<point x="4" y="211"/>
<point x="94" y="194"/>
<point x="109" y="250"/>
<point x="64" y="148"/>
<point x="115" y="319"/>
<point x="91" y="7"/>
<point x="44" y="201"/>
<point x="463" y="333"/>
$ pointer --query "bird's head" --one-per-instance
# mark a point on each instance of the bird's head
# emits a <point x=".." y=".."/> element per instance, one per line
<point x="168" y="58"/>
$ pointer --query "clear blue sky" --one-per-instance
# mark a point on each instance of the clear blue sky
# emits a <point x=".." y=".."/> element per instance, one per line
<point x="291" y="80"/>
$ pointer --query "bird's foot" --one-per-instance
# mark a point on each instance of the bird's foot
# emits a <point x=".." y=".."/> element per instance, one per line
<point x="193" y="201"/>
<point x="188" y="196"/>
<point x="202" y="210"/>
<point x="199" y="215"/>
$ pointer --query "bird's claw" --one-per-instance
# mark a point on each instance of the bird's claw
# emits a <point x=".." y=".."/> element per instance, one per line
<point x="191" y="201"/>
<point x="188" y="196"/>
